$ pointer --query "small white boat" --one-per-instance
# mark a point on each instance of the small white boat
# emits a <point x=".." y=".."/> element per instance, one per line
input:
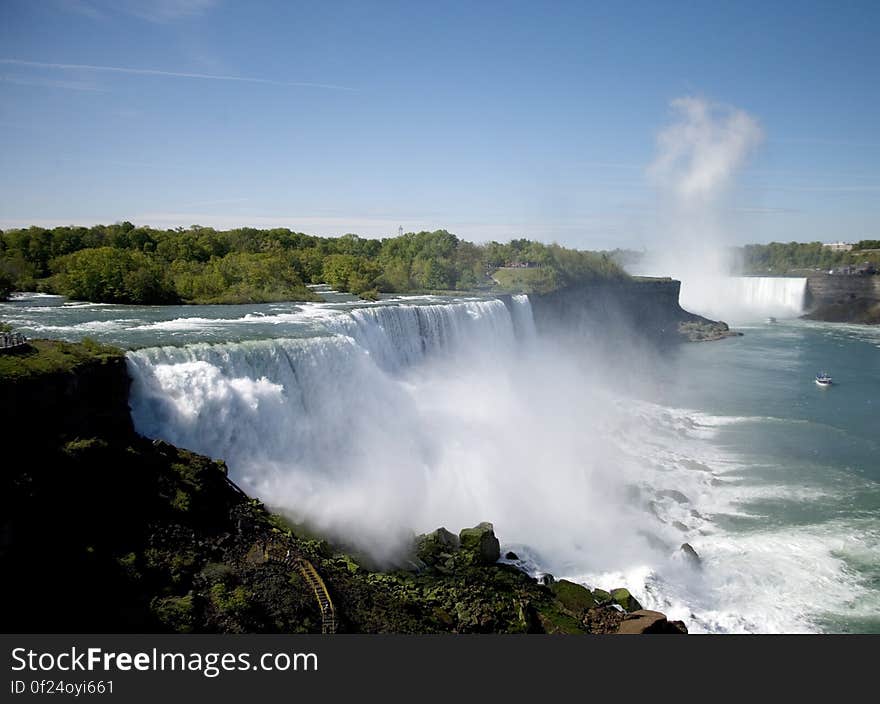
<point x="771" y="319"/>
<point x="823" y="379"/>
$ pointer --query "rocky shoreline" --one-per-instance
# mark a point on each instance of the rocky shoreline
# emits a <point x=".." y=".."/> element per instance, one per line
<point x="572" y="607"/>
<point x="705" y="330"/>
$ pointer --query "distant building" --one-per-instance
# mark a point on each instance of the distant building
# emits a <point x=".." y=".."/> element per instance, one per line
<point x="839" y="246"/>
<point x="863" y="269"/>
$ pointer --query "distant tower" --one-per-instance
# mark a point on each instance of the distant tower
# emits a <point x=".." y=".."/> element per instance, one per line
<point x="400" y="231"/>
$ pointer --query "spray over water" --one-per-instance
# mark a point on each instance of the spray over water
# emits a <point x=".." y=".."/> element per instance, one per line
<point x="694" y="171"/>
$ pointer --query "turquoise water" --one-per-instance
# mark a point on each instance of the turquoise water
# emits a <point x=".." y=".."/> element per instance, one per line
<point x="807" y="457"/>
<point x="774" y="480"/>
<point x="133" y="327"/>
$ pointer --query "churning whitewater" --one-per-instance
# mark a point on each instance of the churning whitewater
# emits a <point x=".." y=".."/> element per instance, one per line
<point x="403" y="418"/>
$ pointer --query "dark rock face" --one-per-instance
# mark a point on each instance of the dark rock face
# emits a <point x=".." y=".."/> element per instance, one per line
<point x="691" y="555"/>
<point x="843" y="299"/>
<point x="81" y="401"/>
<point x="511" y="556"/>
<point x="481" y="542"/>
<point x="637" y="308"/>
<point x="646" y="622"/>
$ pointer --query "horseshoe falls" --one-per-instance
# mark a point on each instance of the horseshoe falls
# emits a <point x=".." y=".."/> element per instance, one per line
<point x="743" y="298"/>
<point x="370" y="422"/>
<point x="769" y="293"/>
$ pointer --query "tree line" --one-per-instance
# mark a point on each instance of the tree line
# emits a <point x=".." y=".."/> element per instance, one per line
<point x="777" y="258"/>
<point x="122" y="263"/>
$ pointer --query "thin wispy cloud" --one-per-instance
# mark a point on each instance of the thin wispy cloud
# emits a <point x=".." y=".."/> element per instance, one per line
<point x="611" y="165"/>
<point x="783" y="187"/>
<point x="90" y="159"/>
<point x="765" y="211"/>
<point x="45" y="83"/>
<point x="81" y="7"/>
<point x="220" y="201"/>
<point x="158" y="11"/>
<point x="824" y="141"/>
<point x="867" y="188"/>
<point x="171" y="74"/>
<point x="166" y="10"/>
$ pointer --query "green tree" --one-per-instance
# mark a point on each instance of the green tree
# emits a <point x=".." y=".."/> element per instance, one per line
<point x="109" y="275"/>
<point x="346" y="272"/>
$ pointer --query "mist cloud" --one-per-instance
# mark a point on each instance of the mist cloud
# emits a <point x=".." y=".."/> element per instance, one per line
<point x="697" y="160"/>
<point x="699" y="154"/>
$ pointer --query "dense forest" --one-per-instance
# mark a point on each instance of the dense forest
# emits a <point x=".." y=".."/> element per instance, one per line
<point x="777" y="258"/>
<point x="121" y="263"/>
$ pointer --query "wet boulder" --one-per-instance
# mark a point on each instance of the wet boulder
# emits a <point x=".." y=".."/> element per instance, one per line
<point x="575" y="599"/>
<point x="690" y="555"/>
<point x="601" y="597"/>
<point x="437" y="547"/>
<point x="624" y="599"/>
<point x="647" y="622"/>
<point x="480" y="543"/>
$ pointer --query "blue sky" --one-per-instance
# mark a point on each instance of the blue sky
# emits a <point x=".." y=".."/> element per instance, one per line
<point x="493" y="120"/>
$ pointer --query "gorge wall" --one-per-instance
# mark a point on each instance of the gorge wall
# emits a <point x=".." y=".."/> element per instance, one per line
<point x="58" y="389"/>
<point x="640" y="308"/>
<point x="843" y="299"/>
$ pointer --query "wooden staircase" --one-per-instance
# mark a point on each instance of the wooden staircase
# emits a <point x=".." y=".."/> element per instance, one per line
<point x="282" y="554"/>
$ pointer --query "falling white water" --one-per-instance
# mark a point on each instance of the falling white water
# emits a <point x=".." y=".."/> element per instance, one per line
<point x="333" y="428"/>
<point x="404" y="418"/>
<point x="743" y="298"/>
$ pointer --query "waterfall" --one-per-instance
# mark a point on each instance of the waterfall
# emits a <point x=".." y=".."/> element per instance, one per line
<point x="772" y="293"/>
<point x="745" y="297"/>
<point x="400" y="336"/>
<point x="325" y="427"/>
<point x="523" y="320"/>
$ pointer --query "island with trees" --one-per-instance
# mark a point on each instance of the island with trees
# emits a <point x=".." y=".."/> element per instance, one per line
<point x="122" y="263"/>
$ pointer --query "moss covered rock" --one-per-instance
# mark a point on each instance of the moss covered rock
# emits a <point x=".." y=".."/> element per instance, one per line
<point x="436" y="547"/>
<point x="602" y="597"/>
<point x="575" y="599"/>
<point x="623" y="598"/>
<point x="481" y="543"/>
